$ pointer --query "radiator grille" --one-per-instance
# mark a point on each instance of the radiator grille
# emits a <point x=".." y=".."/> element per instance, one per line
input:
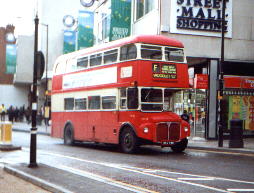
<point x="168" y="131"/>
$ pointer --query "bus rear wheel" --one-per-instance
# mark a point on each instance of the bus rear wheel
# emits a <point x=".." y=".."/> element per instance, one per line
<point x="180" y="146"/>
<point x="128" y="141"/>
<point x="68" y="135"/>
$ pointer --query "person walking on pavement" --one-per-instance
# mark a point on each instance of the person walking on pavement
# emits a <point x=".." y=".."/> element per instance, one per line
<point x="28" y="115"/>
<point x="185" y="116"/>
<point x="2" y="112"/>
<point x="11" y="113"/>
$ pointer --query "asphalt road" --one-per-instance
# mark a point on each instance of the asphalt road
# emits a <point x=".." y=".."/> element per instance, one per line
<point x="151" y="169"/>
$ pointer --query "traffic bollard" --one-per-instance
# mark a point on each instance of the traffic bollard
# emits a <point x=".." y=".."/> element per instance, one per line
<point x="5" y="133"/>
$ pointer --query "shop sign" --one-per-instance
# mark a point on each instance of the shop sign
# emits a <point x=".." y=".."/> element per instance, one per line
<point x="200" y="17"/>
<point x="167" y="71"/>
<point x="239" y="82"/>
<point x="201" y="81"/>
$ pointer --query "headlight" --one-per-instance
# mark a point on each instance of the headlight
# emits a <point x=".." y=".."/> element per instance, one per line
<point x="186" y="129"/>
<point x="146" y="130"/>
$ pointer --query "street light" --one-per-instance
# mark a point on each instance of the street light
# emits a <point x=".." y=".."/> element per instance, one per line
<point x="220" y="138"/>
<point x="33" y="141"/>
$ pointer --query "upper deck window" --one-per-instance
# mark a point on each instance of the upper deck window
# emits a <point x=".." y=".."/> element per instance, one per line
<point x="128" y="52"/>
<point x="95" y="59"/>
<point x="110" y="56"/>
<point x="82" y="62"/>
<point x="174" y="54"/>
<point x="151" y="52"/>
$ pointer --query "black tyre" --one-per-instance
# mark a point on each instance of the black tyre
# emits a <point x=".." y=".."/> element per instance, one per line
<point x="128" y="141"/>
<point x="180" y="146"/>
<point x="68" y="135"/>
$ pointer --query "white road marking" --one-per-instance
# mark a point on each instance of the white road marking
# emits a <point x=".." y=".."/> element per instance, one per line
<point x="149" y="172"/>
<point x="241" y="190"/>
<point x="198" y="179"/>
<point x="103" y="179"/>
<point x="136" y="171"/>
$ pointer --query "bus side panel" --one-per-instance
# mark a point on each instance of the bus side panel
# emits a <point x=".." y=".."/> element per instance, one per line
<point x="79" y="124"/>
<point x="57" y="82"/>
<point x="57" y="124"/>
<point x="110" y="126"/>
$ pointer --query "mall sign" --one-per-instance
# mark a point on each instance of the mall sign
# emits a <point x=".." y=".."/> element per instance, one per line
<point x="200" y="17"/>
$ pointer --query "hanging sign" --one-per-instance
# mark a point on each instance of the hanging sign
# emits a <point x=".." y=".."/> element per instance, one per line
<point x="201" y="81"/>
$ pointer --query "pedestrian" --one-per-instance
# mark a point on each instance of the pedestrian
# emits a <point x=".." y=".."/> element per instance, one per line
<point x="2" y="112"/>
<point x="11" y="114"/>
<point x="28" y="115"/>
<point x="21" y="113"/>
<point x="16" y="114"/>
<point x="185" y="116"/>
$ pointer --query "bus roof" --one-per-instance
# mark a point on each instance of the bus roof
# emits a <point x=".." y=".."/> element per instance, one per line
<point x="146" y="39"/>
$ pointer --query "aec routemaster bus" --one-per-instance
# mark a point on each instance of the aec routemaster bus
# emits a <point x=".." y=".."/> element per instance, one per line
<point x="121" y="92"/>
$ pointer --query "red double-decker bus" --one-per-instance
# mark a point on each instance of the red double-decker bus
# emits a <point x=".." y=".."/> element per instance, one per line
<point x="122" y="92"/>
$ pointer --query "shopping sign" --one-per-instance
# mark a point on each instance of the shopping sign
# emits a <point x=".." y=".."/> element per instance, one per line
<point x="239" y="82"/>
<point x="201" y="81"/>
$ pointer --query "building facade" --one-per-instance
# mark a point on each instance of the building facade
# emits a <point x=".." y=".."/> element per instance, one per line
<point x="197" y="23"/>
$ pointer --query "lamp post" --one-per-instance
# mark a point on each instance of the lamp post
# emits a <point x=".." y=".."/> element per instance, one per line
<point x="220" y="138"/>
<point x="33" y="141"/>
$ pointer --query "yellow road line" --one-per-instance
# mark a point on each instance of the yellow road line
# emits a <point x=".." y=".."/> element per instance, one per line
<point x="222" y="152"/>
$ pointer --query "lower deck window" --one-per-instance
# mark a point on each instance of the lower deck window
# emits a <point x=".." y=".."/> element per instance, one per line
<point x="94" y="102"/>
<point x="80" y="104"/>
<point x="109" y="102"/>
<point x="68" y="103"/>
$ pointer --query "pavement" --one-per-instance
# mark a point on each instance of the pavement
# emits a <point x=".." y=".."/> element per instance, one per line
<point x="46" y="178"/>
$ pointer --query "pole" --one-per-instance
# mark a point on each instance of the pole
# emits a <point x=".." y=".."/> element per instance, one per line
<point x="33" y="141"/>
<point x="46" y="118"/>
<point x="220" y="141"/>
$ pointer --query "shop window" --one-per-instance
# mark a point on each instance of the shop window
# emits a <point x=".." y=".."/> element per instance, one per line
<point x="68" y="103"/>
<point x="128" y="52"/>
<point x="174" y="54"/>
<point x="95" y="60"/>
<point x="151" y="52"/>
<point x="108" y="102"/>
<point x="94" y="102"/>
<point x="110" y="56"/>
<point x="82" y="62"/>
<point x="80" y="104"/>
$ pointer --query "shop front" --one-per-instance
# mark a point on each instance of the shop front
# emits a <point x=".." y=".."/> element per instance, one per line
<point x="238" y="102"/>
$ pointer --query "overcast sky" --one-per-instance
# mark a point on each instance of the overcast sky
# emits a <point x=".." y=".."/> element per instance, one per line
<point x="20" y="13"/>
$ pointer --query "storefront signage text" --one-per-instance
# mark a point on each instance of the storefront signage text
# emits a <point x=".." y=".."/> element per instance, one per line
<point x="164" y="71"/>
<point x="202" y="16"/>
<point x="239" y="82"/>
<point x="201" y="81"/>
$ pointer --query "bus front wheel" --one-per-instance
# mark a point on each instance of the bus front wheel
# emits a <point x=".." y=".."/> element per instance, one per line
<point x="68" y="135"/>
<point x="180" y="146"/>
<point x="128" y="141"/>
